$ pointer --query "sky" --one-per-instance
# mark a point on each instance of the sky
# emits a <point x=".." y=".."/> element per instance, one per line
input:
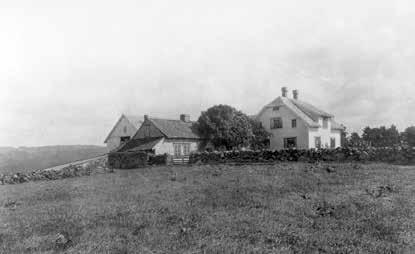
<point x="68" y="69"/>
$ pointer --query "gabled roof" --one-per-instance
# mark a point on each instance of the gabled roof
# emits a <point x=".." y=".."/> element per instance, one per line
<point x="336" y="126"/>
<point x="310" y="110"/>
<point x="175" y="128"/>
<point x="139" y="145"/>
<point x="307" y="112"/>
<point x="134" y="120"/>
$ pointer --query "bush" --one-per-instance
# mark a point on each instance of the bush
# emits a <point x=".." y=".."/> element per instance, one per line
<point x="127" y="160"/>
<point x="162" y="159"/>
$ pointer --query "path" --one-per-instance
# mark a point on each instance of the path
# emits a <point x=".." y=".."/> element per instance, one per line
<point x="74" y="163"/>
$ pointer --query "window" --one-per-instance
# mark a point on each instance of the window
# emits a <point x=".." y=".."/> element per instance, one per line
<point x="276" y="123"/>
<point x="332" y="142"/>
<point x="276" y="108"/>
<point x="124" y="139"/>
<point x="181" y="149"/>
<point x="294" y="123"/>
<point x="186" y="149"/>
<point x="290" y="142"/>
<point x="317" y="142"/>
<point x="177" y="150"/>
<point x="325" y="122"/>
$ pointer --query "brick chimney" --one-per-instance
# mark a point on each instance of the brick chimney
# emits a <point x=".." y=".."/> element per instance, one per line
<point x="284" y="91"/>
<point x="185" y="118"/>
<point x="145" y="117"/>
<point x="295" y="94"/>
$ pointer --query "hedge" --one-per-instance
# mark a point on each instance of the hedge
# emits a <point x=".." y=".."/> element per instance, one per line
<point x="399" y="155"/>
<point x="162" y="159"/>
<point x="127" y="160"/>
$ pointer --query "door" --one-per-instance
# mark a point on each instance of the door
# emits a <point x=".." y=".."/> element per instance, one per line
<point x="181" y="153"/>
<point x="290" y="142"/>
<point x="177" y="150"/>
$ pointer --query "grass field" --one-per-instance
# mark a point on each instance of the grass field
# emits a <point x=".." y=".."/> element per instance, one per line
<point x="283" y="208"/>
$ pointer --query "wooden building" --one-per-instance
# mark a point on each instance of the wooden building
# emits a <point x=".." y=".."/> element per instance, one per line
<point x="159" y="136"/>
<point x="125" y="127"/>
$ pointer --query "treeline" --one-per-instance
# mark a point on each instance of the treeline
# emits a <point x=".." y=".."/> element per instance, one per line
<point x="380" y="137"/>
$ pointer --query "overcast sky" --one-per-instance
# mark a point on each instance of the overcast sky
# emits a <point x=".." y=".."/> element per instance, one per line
<point x="68" y="69"/>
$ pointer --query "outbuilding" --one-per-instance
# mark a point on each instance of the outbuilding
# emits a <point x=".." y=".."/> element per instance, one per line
<point x="177" y="138"/>
<point x="125" y="127"/>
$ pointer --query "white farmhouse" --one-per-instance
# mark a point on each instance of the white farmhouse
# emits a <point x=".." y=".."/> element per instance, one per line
<point x="123" y="130"/>
<point x="297" y="124"/>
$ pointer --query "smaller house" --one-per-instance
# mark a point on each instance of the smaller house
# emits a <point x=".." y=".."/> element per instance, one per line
<point x="123" y="130"/>
<point x="159" y="136"/>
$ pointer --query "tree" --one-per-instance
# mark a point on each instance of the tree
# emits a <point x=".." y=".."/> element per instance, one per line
<point x="355" y="140"/>
<point x="260" y="139"/>
<point x="409" y="136"/>
<point x="381" y="136"/>
<point x="343" y="137"/>
<point x="224" y="126"/>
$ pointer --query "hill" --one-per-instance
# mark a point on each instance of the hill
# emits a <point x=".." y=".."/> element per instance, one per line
<point x="281" y="208"/>
<point x="31" y="158"/>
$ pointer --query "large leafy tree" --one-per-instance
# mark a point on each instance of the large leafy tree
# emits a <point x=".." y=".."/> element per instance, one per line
<point x="225" y="126"/>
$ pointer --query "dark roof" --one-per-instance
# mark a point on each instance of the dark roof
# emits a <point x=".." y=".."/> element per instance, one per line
<point x="175" y="128"/>
<point x="139" y="145"/>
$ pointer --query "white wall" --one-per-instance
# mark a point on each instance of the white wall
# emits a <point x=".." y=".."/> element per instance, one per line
<point x="278" y="135"/>
<point x="118" y="132"/>
<point x="325" y="134"/>
<point x="113" y="143"/>
<point x="166" y="146"/>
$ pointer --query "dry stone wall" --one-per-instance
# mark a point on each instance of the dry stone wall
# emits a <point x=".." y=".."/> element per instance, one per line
<point x="399" y="155"/>
<point x="87" y="168"/>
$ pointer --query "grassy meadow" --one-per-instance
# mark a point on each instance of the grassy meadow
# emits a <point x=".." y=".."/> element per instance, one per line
<point x="281" y="208"/>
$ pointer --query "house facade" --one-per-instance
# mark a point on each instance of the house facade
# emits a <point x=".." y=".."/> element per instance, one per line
<point x="159" y="136"/>
<point x="293" y="123"/>
<point x="125" y="127"/>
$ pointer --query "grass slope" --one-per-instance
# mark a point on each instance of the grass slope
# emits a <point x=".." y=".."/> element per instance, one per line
<point x="26" y="159"/>
<point x="284" y="208"/>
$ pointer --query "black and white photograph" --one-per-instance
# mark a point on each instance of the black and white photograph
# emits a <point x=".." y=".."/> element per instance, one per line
<point x="207" y="127"/>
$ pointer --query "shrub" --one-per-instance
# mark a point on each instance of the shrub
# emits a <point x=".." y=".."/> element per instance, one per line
<point x="127" y="160"/>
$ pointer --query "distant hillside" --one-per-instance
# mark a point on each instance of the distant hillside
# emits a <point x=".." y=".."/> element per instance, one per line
<point x="32" y="158"/>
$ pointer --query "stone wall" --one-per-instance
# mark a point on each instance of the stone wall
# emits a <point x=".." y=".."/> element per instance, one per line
<point x="82" y="169"/>
<point x="398" y="155"/>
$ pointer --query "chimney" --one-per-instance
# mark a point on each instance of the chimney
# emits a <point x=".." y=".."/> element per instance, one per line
<point x="185" y="118"/>
<point x="284" y="91"/>
<point x="295" y="94"/>
<point x="145" y="117"/>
